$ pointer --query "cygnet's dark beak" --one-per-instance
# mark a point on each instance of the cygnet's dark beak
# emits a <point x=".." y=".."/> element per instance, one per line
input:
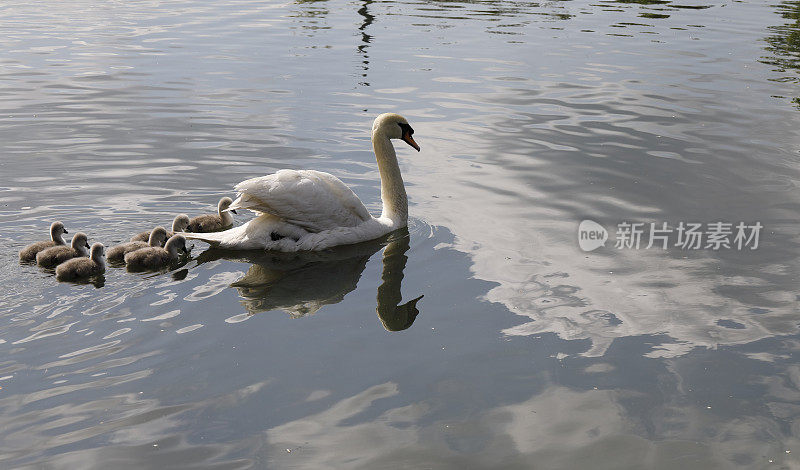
<point x="233" y="210"/>
<point x="87" y="245"/>
<point x="65" y="231"/>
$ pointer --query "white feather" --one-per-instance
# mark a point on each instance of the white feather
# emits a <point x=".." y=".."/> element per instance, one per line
<point x="310" y="199"/>
<point x="257" y="234"/>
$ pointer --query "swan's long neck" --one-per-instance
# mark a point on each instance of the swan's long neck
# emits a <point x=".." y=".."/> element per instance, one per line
<point x="172" y="249"/>
<point x="58" y="237"/>
<point x="225" y="216"/>
<point x="156" y="238"/>
<point x="97" y="257"/>
<point x="79" y="245"/>
<point x="393" y="192"/>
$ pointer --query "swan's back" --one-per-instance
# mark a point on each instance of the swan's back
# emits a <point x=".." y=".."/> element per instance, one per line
<point x="116" y="254"/>
<point x="58" y="254"/>
<point x="57" y="231"/>
<point x="81" y="268"/>
<point x="156" y="257"/>
<point x="313" y="200"/>
<point x="28" y="254"/>
<point x="147" y="259"/>
<point x="141" y="237"/>
<point x="55" y="255"/>
<point x="179" y="224"/>
<point x="206" y="223"/>
<point x="78" y="268"/>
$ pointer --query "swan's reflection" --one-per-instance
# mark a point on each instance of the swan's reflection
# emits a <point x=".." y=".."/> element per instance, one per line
<point x="393" y="315"/>
<point x="301" y="283"/>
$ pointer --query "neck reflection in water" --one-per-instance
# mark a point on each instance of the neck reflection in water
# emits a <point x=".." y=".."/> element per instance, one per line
<point x="301" y="283"/>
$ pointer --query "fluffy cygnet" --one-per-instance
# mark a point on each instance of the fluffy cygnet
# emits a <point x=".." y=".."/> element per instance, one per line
<point x="82" y="268"/>
<point x="155" y="258"/>
<point x="211" y="222"/>
<point x="57" y="230"/>
<point x="53" y="256"/>
<point x="116" y="254"/>
<point x="179" y="224"/>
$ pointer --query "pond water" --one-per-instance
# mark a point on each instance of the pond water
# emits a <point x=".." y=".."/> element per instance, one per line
<point x="525" y="351"/>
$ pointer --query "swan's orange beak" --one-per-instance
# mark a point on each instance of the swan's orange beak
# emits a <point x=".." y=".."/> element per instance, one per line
<point x="410" y="140"/>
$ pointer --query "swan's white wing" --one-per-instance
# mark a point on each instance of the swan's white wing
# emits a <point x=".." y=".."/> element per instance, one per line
<point x="313" y="200"/>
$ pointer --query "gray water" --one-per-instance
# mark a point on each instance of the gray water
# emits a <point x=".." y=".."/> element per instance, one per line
<point x="525" y="351"/>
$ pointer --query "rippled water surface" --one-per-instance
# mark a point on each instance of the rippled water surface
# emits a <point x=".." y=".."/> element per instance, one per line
<point x="525" y="352"/>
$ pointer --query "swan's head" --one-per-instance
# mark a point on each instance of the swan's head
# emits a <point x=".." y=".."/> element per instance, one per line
<point x="180" y="223"/>
<point x="57" y="229"/>
<point x="394" y="126"/>
<point x="157" y="237"/>
<point x="80" y="242"/>
<point x="224" y="204"/>
<point x="98" y="250"/>
<point x="177" y="244"/>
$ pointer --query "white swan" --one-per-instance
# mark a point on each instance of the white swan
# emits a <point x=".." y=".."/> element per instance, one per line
<point x="311" y="210"/>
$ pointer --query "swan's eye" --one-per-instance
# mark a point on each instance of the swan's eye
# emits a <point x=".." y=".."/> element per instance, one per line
<point x="406" y="128"/>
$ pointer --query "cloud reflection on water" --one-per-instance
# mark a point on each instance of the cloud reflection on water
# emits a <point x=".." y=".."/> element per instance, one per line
<point x="557" y="428"/>
<point x="513" y="196"/>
